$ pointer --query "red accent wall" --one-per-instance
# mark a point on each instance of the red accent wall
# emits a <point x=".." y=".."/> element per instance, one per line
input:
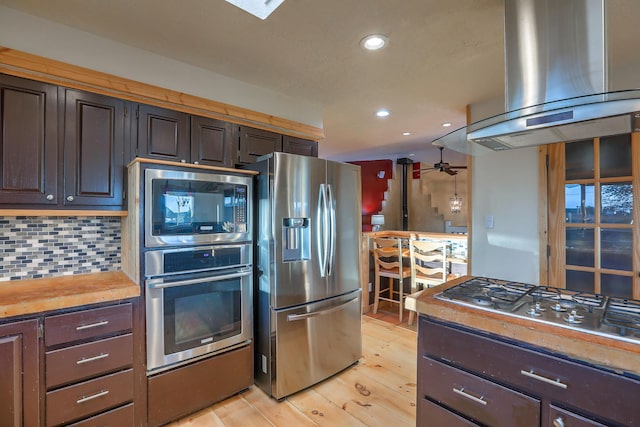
<point x="373" y="187"/>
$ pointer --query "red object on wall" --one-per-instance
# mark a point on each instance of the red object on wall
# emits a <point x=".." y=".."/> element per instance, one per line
<point x="374" y="175"/>
<point x="416" y="170"/>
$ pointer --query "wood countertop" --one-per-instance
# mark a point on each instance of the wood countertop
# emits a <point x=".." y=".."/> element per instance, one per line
<point x="620" y="356"/>
<point x="20" y="297"/>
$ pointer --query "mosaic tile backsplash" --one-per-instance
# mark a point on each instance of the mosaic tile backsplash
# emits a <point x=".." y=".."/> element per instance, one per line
<point x="35" y="247"/>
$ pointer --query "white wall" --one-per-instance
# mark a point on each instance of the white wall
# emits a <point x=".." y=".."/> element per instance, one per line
<point x="34" y="35"/>
<point x="505" y="186"/>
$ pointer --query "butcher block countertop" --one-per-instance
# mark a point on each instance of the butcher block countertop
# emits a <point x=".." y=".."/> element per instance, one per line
<point x="620" y="356"/>
<point x="20" y="297"/>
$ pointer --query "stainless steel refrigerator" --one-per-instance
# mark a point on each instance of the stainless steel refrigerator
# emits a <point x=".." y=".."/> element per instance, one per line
<point x="307" y="295"/>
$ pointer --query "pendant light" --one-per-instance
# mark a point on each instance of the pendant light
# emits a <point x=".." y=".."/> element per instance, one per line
<point x="455" y="203"/>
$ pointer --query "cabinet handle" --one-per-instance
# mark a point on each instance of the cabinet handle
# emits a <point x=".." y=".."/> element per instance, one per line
<point x="92" y="325"/>
<point x="558" y="422"/>
<point x="463" y="393"/>
<point x="69" y="198"/>
<point x="49" y="196"/>
<point x="535" y="376"/>
<point x="91" y="359"/>
<point x="93" y="396"/>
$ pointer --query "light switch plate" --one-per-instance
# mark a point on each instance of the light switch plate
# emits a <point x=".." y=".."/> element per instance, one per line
<point x="488" y="221"/>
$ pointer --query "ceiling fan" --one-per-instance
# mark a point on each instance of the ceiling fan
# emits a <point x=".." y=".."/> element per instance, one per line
<point x="442" y="166"/>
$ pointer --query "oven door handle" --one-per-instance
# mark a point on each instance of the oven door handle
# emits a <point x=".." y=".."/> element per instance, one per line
<point x="161" y="284"/>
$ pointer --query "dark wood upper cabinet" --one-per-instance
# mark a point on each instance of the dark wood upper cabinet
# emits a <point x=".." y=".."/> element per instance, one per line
<point x="28" y="141"/>
<point x="213" y="142"/>
<point x="19" y="374"/>
<point x="94" y="134"/>
<point x="300" y="146"/>
<point x="255" y="143"/>
<point x="163" y="134"/>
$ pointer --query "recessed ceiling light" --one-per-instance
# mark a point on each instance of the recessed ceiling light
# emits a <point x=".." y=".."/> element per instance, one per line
<point x="374" y="42"/>
<point x="382" y="113"/>
<point x="406" y="133"/>
<point x="446" y="125"/>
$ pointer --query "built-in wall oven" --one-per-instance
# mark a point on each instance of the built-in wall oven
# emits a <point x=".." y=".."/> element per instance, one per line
<point x="198" y="302"/>
<point x="187" y="208"/>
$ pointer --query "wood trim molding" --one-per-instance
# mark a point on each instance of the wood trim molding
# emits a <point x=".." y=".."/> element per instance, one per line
<point x="543" y="220"/>
<point x="193" y="166"/>
<point x="22" y="64"/>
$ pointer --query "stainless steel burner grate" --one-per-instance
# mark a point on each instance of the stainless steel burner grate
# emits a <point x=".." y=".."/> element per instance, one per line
<point x="587" y="312"/>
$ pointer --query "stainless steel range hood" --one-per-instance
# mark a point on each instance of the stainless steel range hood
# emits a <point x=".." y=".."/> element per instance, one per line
<point x="556" y="81"/>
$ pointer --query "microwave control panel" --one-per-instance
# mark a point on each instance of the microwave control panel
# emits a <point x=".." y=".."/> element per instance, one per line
<point x="241" y="206"/>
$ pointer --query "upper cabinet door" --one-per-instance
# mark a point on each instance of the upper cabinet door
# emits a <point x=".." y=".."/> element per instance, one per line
<point x="28" y="142"/>
<point x="213" y="142"/>
<point x="300" y="146"/>
<point x="163" y="134"/>
<point x="256" y="142"/>
<point x="93" y="149"/>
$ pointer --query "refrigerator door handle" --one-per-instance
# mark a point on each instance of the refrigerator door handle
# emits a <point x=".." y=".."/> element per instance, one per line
<point x="331" y="213"/>
<point x="294" y="317"/>
<point x="321" y="230"/>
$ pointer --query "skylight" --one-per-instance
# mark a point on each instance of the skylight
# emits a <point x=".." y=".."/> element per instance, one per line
<point x="259" y="8"/>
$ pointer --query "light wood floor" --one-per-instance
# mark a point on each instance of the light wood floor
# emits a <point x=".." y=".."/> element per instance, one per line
<point x="379" y="391"/>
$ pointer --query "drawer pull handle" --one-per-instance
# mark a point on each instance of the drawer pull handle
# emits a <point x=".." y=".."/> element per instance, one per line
<point x="461" y="392"/>
<point x="535" y="376"/>
<point x="92" y="325"/>
<point x="91" y="359"/>
<point x="93" y="396"/>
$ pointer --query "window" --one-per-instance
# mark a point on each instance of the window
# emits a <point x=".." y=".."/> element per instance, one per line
<point x="593" y="195"/>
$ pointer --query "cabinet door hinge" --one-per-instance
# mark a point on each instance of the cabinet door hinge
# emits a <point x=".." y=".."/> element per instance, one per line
<point x="40" y="330"/>
<point x="124" y="195"/>
<point x="548" y="251"/>
<point x="126" y="111"/>
<point x="138" y="113"/>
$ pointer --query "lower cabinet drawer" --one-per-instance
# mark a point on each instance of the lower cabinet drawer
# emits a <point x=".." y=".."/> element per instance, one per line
<point x="87" y="324"/>
<point x="88" y="398"/>
<point x="477" y="398"/>
<point x="120" y="417"/>
<point x="561" y="417"/>
<point x="431" y="415"/>
<point x="88" y="360"/>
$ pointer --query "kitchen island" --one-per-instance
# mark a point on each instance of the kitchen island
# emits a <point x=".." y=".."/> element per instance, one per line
<point x="477" y="367"/>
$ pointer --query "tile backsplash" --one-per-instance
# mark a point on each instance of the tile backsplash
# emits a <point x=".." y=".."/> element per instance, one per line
<point x="35" y="247"/>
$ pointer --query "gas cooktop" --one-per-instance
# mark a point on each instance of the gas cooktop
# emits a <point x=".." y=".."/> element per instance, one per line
<point x="611" y="317"/>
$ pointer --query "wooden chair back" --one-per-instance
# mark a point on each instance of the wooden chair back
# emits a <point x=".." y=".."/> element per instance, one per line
<point x="428" y="262"/>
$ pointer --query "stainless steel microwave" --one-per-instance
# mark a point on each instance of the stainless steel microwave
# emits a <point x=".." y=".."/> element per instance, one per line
<point x="192" y="208"/>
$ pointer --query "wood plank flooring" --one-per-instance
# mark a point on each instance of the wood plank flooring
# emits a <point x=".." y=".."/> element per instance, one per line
<point x="379" y="391"/>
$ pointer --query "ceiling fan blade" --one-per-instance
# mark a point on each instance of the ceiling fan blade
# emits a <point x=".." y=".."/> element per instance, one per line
<point x="450" y="172"/>
<point x="457" y="167"/>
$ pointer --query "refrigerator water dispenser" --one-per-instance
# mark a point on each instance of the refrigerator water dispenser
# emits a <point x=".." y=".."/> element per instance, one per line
<point x="296" y="239"/>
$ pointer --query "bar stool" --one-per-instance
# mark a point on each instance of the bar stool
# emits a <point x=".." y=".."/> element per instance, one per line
<point x="388" y="255"/>
<point x="428" y="268"/>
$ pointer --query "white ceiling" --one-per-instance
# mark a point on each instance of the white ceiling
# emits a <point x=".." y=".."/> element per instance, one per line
<point x="442" y="56"/>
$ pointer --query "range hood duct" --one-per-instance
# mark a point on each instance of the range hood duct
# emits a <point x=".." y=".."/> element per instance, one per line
<point x="556" y="86"/>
